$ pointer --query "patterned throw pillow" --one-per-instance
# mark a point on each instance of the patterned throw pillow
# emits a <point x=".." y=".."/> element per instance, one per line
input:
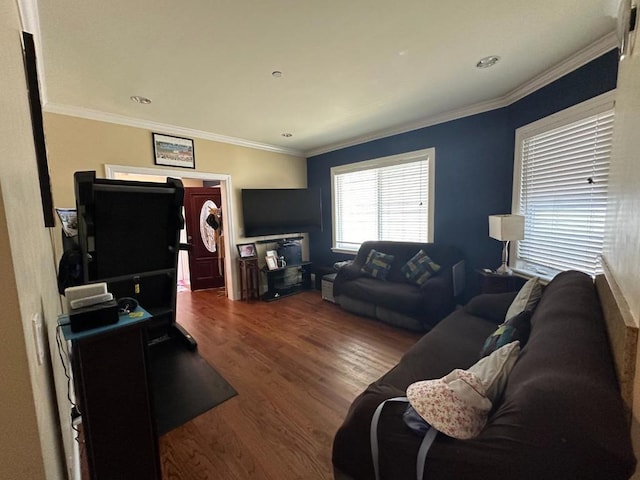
<point x="377" y="264"/>
<point x="419" y="268"/>
<point x="516" y="328"/>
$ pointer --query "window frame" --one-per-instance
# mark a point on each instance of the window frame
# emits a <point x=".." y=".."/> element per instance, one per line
<point x="428" y="154"/>
<point x="594" y="106"/>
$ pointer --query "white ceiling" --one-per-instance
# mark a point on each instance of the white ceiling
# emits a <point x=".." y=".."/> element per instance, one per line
<point x="351" y="69"/>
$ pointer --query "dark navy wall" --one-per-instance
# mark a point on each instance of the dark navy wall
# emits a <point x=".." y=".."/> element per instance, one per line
<point x="474" y="164"/>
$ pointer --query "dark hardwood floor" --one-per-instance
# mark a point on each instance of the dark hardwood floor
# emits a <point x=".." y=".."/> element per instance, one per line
<point x="296" y="363"/>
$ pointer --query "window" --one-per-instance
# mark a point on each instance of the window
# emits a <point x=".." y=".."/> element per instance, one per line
<point x="560" y="186"/>
<point x="388" y="198"/>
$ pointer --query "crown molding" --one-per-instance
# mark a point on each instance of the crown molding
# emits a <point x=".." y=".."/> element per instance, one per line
<point x="164" y="128"/>
<point x="409" y="127"/>
<point x="577" y="60"/>
<point x="572" y="63"/>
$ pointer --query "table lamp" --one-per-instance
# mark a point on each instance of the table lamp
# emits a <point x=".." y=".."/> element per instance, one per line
<point x="506" y="228"/>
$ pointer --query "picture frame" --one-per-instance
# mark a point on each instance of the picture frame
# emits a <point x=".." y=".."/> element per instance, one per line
<point x="272" y="253"/>
<point x="247" y="250"/>
<point x="272" y="263"/>
<point x="173" y="151"/>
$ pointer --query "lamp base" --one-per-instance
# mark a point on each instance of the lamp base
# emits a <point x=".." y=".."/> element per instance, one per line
<point x="504" y="270"/>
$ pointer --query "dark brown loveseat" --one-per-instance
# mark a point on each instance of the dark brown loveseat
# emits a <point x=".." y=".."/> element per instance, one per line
<point x="560" y="417"/>
<point x="395" y="300"/>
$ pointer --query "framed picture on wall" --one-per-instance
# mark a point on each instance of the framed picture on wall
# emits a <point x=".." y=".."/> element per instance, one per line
<point x="173" y="151"/>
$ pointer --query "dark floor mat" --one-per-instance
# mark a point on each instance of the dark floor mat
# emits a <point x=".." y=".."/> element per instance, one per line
<point x="184" y="385"/>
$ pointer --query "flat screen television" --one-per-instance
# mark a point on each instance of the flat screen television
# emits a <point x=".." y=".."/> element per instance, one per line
<point x="275" y="211"/>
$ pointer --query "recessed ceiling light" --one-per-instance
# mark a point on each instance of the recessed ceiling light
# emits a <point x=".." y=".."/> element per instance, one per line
<point x="487" y="62"/>
<point x="139" y="99"/>
<point x="276" y="74"/>
<point x="287" y="134"/>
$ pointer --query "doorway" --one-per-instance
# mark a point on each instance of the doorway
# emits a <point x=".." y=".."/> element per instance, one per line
<point x="224" y="181"/>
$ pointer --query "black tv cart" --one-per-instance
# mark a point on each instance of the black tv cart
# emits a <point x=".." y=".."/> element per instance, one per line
<point x="287" y="280"/>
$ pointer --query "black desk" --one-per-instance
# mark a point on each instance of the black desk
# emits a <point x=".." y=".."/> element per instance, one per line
<point x="110" y="371"/>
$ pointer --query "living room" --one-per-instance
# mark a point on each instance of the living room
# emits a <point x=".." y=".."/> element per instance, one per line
<point x="466" y="193"/>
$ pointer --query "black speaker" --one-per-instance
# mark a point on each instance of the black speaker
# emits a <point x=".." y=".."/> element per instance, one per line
<point x="94" y="316"/>
<point x="291" y="250"/>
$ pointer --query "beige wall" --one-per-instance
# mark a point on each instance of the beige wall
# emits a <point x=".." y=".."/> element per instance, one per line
<point x="29" y="438"/>
<point x="75" y="144"/>
<point x="622" y="246"/>
<point x="79" y="144"/>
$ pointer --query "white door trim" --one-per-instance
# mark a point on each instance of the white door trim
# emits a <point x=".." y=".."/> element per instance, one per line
<point x="227" y="219"/>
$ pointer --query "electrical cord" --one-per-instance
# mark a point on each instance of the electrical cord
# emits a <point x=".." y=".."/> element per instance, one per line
<point x="75" y="411"/>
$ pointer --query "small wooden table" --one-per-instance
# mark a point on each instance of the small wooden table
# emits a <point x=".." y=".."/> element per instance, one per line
<point x="249" y="279"/>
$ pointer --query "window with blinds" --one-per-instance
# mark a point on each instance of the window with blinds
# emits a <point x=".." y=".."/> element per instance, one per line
<point x="564" y="173"/>
<point x="388" y="198"/>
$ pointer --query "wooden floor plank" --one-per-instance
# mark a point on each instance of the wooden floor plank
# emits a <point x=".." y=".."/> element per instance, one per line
<point x="297" y="364"/>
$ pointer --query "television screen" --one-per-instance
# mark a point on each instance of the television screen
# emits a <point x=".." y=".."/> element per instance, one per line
<point x="278" y="211"/>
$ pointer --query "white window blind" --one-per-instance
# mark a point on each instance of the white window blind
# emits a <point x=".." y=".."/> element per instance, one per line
<point x="383" y="199"/>
<point x="563" y="196"/>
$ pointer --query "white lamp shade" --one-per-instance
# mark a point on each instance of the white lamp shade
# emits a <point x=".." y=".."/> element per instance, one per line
<point x="506" y="227"/>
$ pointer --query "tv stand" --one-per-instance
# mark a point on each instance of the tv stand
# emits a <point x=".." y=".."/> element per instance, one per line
<point x="287" y="280"/>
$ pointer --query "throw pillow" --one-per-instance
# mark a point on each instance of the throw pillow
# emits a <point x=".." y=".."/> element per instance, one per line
<point x="419" y="268"/>
<point x="527" y="298"/>
<point x="516" y="328"/>
<point x="493" y="370"/>
<point x="377" y="264"/>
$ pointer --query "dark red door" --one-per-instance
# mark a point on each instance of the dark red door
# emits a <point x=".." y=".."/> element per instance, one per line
<point x="206" y="255"/>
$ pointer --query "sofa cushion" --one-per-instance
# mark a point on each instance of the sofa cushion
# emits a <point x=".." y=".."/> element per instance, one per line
<point x="516" y="328"/>
<point x="401" y="297"/>
<point x="527" y="298"/>
<point x="377" y="264"/>
<point x="419" y="268"/>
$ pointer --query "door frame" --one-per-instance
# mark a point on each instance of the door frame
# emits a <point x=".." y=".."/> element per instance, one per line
<point x="230" y="274"/>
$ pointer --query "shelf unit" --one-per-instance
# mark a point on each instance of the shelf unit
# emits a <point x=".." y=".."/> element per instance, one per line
<point x="288" y="280"/>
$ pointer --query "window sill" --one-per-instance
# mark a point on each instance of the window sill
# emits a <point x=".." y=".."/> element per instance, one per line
<point x="528" y="274"/>
<point x="344" y="250"/>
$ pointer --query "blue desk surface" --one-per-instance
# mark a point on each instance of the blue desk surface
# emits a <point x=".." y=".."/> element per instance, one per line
<point x="138" y="315"/>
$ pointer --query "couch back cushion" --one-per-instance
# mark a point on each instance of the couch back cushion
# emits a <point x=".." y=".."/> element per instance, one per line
<point x="444" y="255"/>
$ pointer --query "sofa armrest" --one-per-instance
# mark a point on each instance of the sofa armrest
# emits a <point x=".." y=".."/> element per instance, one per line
<point x="491" y="306"/>
<point x="345" y="274"/>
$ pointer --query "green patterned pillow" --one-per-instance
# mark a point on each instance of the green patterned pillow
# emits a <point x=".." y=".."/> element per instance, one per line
<point x="516" y="328"/>
<point x="377" y="264"/>
<point x="419" y="268"/>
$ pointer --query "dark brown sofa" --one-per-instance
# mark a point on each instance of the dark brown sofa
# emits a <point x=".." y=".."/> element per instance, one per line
<point x="394" y="300"/>
<point x="560" y="417"/>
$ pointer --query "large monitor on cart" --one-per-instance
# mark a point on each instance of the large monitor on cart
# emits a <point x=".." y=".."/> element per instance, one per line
<point x="129" y="237"/>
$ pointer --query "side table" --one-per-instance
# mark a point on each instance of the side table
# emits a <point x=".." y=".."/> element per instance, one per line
<point x="491" y="282"/>
<point x="249" y="279"/>
<point x="327" y="287"/>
